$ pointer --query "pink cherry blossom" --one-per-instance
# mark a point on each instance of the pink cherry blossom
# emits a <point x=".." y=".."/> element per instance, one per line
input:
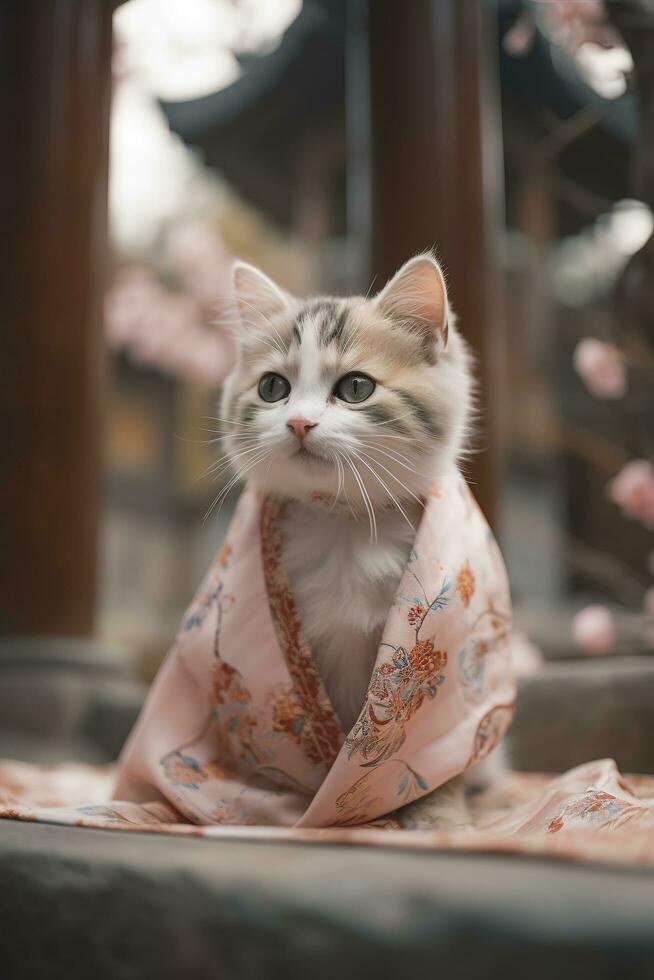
<point x="519" y="39"/>
<point x="572" y="23"/>
<point x="594" y="629"/>
<point x="633" y="491"/>
<point x="601" y="367"/>
<point x="164" y="329"/>
<point x="200" y="259"/>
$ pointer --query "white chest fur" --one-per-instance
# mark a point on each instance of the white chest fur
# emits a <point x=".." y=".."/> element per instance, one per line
<point x="344" y="585"/>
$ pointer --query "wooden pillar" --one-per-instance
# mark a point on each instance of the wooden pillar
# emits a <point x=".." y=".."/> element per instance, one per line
<point x="436" y="174"/>
<point x="54" y="111"/>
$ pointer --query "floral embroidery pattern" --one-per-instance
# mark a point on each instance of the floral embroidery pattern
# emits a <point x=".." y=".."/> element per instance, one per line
<point x="184" y="770"/>
<point x="287" y="715"/>
<point x="314" y="722"/>
<point x="473" y="656"/>
<point x="595" y="807"/>
<point x="490" y="731"/>
<point x="399" y="687"/>
<point x="236" y="729"/>
<point x="224" y="554"/>
<point x="357" y="802"/>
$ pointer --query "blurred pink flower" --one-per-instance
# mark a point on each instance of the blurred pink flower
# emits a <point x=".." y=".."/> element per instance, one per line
<point x="164" y="329"/>
<point x="128" y="302"/>
<point x="633" y="491"/>
<point x="519" y="39"/>
<point x="198" y="256"/>
<point x="601" y="367"/>
<point x="594" y="629"/>
<point x="572" y="23"/>
<point x="526" y="657"/>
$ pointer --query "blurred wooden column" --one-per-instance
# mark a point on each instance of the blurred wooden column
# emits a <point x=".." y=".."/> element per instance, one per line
<point x="56" y="85"/>
<point x="436" y="174"/>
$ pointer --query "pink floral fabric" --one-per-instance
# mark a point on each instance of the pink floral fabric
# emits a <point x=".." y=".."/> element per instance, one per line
<point x="238" y="737"/>
<point x="238" y="728"/>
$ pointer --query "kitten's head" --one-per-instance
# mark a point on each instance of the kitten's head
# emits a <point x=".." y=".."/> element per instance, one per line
<point x="347" y="397"/>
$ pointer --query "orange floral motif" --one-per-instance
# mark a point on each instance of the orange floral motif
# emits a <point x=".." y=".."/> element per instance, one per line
<point x="398" y="687"/>
<point x="397" y="690"/>
<point x="320" y="733"/>
<point x="490" y="731"/>
<point x="465" y="584"/>
<point x="224" y="554"/>
<point x="415" y="614"/>
<point x="287" y="716"/>
<point x="228" y="686"/>
<point x="216" y="769"/>
<point x="595" y="807"/>
<point x="425" y="660"/>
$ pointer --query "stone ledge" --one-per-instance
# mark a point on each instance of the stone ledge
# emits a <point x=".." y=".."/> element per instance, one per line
<point x="80" y="903"/>
<point x="573" y="711"/>
<point x="63" y="699"/>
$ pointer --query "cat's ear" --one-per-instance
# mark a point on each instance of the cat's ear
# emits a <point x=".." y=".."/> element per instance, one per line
<point x="417" y="296"/>
<point x="257" y="297"/>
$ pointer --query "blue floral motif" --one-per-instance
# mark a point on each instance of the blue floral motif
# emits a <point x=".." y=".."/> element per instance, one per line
<point x="411" y="784"/>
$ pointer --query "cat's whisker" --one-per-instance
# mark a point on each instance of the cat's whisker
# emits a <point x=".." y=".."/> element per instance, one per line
<point x="234" y="480"/>
<point x="397" y="480"/>
<point x="200" y="442"/>
<point x="227" y="460"/>
<point x="390" y="455"/>
<point x="398" y="418"/>
<point x="396" y="454"/>
<point x="218" y="418"/>
<point x="364" y="496"/>
<point x="386" y="435"/>
<point x="369" y="290"/>
<point x="388" y="491"/>
<point x="345" y="493"/>
<point x="212" y="442"/>
<point x="339" y="467"/>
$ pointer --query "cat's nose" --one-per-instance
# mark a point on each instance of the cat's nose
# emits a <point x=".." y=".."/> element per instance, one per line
<point x="300" y="427"/>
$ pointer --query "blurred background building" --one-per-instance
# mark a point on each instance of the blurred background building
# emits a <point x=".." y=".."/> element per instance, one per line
<point x="325" y="141"/>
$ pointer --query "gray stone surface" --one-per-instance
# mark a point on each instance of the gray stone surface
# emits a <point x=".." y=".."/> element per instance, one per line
<point x="64" y="699"/>
<point x="575" y="711"/>
<point x="77" y="903"/>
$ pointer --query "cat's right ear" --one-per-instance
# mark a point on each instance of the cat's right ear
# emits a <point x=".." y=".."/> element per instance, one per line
<point x="257" y="297"/>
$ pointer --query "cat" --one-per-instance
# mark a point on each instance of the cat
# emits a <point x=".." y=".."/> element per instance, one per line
<point x="349" y="409"/>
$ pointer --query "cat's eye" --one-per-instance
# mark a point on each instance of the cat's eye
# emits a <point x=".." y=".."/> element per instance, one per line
<point x="273" y="387"/>
<point x="354" y="388"/>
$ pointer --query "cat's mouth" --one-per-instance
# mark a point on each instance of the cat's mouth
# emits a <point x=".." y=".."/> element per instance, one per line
<point x="308" y="456"/>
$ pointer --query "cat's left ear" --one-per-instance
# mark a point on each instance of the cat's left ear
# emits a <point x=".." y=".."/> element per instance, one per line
<point x="417" y="296"/>
<point x="258" y="298"/>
